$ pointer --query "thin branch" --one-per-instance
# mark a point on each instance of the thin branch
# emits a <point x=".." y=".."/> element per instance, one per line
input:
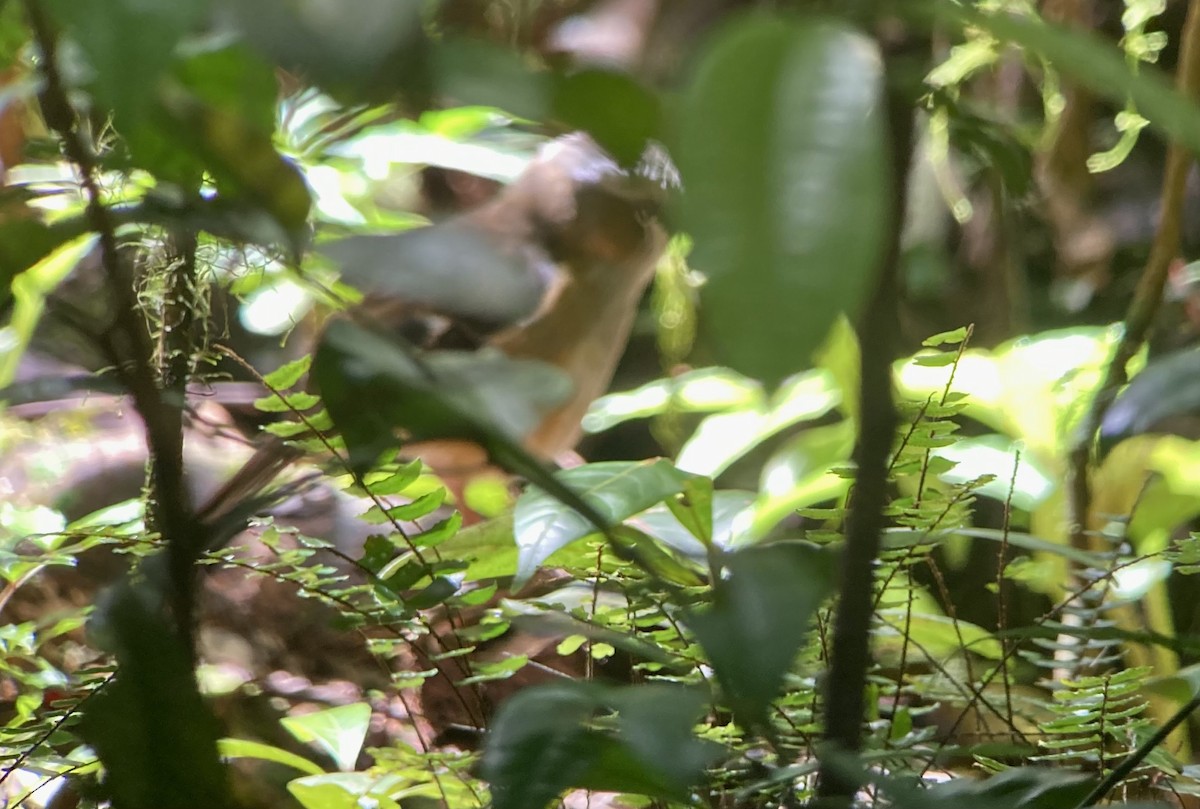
<point x="852" y="622"/>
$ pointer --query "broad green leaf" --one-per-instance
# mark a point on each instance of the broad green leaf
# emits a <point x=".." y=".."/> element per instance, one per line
<point x="758" y="620"/>
<point x="373" y="54"/>
<point x="1097" y="65"/>
<point x="802" y="473"/>
<point x="975" y="457"/>
<point x="244" y="748"/>
<point x="452" y="268"/>
<point x="338" y="731"/>
<point x="700" y="391"/>
<point x="782" y="151"/>
<point x="540" y="744"/>
<point x="622" y="115"/>
<point x="129" y="45"/>
<point x="25" y="242"/>
<point x="655" y="721"/>
<point x="730" y="521"/>
<point x="542" y="524"/>
<point x="938" y="636"/>
<point x="373" y="385"/>
<point x="483" y="73"/>
<point x="30" y="289"/>
<point x="1016" y="788"/>
<point x="693" y="507"/>
<point x="242" y="158"/>
<point x="150" y="727"/>
<point x="723" y="438"/>
<point x="654" y="557"/>
<point x="230" y="76"/>
<point x="347" y="790"/>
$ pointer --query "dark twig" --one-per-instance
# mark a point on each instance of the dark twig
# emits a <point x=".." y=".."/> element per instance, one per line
<point x="852" y="622"/>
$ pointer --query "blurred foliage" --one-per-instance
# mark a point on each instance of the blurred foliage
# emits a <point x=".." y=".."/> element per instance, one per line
<point x="284" y="158"/>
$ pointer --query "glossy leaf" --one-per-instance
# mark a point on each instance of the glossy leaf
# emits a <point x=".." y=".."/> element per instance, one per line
<point x="802" y="473"/>
<point x="783" y="155"/>
<point x="730" y="519"/>
<point x="347" y="790"/>
<point x="244" y="748"/>
<point x="542" y="524"/>
<point x="338" y="731"/>
<point x="758" y="620"/>
<point x="698" y="391"/>
<point x="723" y="438"/>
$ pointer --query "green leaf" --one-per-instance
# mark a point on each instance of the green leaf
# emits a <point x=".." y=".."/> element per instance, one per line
<point x="149" y="727"/>
<point x="758" y="620"/>
<point x="538" y="745"/>
<point x="1016" y="788"/>
<point x="653" y="557"/>
<point x="783" y="155"/>
<point x="26" y="241"/>
<point x="728" y="524"/>
<point x="622" y="115"/>
<point x="452" y="268"/>
<point x="801" y="473"/>
<point x="723" y="438"/>
<point x="373" y="54"/>
<point x="129" y="45"/>
<point x="486" y="74"/>
<point x="698" y="391"/>
<point x="234" y="78"/>
<point x="541" y="745"/>
<point x="1097" y="65"/>
<point x="29" y="290"/>
<point x="338" y="731"/>
<point x="373" y="385"/>
<point x="242" y="159"/>
<point x="656" y="722"/>
<point x="694" y="509"/>
<point x="542" y="524"/>
<point x="244" y="748"/>
<point x="346" y="790"/>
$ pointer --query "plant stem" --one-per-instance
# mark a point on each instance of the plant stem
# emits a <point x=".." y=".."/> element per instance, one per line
<point x="852" y="622"/>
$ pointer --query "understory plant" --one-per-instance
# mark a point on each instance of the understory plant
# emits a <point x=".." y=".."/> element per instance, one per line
<point x="848" y="580"/>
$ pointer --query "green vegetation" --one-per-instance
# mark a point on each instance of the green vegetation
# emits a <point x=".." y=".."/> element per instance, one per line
<point x="862" y="565"/>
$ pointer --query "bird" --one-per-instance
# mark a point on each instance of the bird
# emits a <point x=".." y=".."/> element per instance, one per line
<point x="551" y="269"/>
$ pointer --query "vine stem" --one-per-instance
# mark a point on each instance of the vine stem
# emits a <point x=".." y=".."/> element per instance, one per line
<point x="845" y="693"/>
